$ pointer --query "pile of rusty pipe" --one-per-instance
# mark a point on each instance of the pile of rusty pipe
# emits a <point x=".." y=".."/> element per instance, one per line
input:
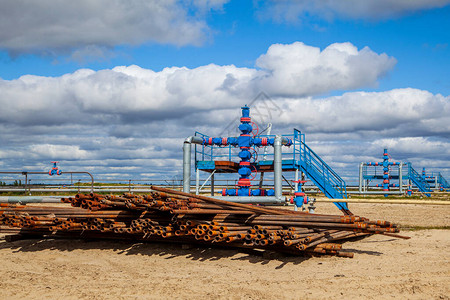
<point x="179" y="217"/>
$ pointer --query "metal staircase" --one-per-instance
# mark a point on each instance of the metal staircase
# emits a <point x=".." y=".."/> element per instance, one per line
<point x="443" y="182"/>
<point x="418" y="181"/>
<point x="327" y="180"/>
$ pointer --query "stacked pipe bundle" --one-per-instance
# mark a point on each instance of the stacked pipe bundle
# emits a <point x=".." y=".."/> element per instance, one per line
<point x="167" y="215"/>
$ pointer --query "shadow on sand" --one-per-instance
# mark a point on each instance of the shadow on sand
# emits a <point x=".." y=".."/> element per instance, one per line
<point x="168" y="250"/>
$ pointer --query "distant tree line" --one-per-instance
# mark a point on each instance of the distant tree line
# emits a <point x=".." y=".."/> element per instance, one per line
<point x="16" y="183"/>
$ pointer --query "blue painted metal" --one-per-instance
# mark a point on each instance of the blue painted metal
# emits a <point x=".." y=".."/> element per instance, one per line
<point x="54" y="170"/>
<point x="245" y="142"/>
<point x="433" y="178"/>
<point x="443" y="184"/>
<point x="409" y="191"/>
<point x="418" y="180"/>
<point x="300" y="197"/>
<point x="323" y="176"/>
<point x="300" y="157"/>
<point x="422" y="181"/>
<point x="386" y="171"/>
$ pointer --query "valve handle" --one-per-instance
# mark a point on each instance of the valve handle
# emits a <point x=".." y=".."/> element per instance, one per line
<point x="255" y="126"/>
<point x="254" y="154"/>
<point x="256" y="172"/>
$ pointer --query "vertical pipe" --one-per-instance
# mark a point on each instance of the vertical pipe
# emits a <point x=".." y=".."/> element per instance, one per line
<point x="400" y="177"/>
<point x="269" y="129"/>
<point x="261" y="180"/>
<point x="26" y="182"/>
<point x="277" y="168"/>
<point x="92" y="181"/>
<point x="360" y="177"/>
<point x="187" y="167"/>
<point x="296" y="187"/>
<point x="212" y="185"/>
<point x="197" y="180"/>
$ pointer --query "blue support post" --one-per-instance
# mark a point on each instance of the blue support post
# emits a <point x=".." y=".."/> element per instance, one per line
<point x="300" y="198"/>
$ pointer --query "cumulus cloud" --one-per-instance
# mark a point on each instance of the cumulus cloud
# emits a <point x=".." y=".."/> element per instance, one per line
<point x="94" y="26"/>
<point x="135" y="119"/>
<point x="135" y="95"/>
<point x="298" y="69"/>
<point x="396" y="112"/>
<point x="295" y="10"/>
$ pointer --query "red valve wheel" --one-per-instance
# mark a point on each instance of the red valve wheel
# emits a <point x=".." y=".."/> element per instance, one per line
<point x="255" y="127"/>
<point x="255" y="172"/>
<point x="254" y="154"/>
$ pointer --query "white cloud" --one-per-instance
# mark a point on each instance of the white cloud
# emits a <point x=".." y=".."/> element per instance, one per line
<point x="133" y="94"/>
<point x="135" y="119"/>
<point x="92" y="27"/>
<point x="295" y="10"/>
<point x="298" y="69"/>
<point x="395" y="112"/>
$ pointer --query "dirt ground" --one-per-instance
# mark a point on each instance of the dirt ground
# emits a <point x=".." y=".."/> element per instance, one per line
<point x="383" y="267"/>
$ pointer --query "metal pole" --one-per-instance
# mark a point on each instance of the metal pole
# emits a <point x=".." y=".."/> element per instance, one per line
<point x="26" y="181"/>
<point x="400" y="177"/>
<point x="197" y="180"/>
<point x="92" y="177"/>
<point x="261" y="180"/>
<point x="269" y="129"/>
<point x="277" y="168"/>
<point x="187" y="167"/>
<point x="212" y="184"/>
<point x="187" y="161"/>
<point x="296" y="187"/>
<point x="360" y="176"/>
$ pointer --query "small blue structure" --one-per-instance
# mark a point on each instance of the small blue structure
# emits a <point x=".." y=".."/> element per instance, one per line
<point x="404" y="171"/>
<point x="386" y="167"/>
<point x="435" y="180"/>
<point x="55" y="170"/>
<point x="300" y="197"/>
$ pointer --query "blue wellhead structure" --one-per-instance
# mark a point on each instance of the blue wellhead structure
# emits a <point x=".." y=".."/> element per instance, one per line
<point x="299" y="158"/>
<point x="245" y="142"/>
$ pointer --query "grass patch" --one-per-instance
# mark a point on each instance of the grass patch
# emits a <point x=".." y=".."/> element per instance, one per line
<point x="417" y="228"/>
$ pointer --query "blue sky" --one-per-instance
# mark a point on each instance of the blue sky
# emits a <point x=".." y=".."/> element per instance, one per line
<point x="85" y="119"/>
<point x="239" y="34"/>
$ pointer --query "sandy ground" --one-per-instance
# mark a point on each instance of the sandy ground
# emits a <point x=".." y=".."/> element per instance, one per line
<point x="383" y="267"/>
<point x="406" y="215"/>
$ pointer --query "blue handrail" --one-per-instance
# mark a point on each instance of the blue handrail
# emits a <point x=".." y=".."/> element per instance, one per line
<point x="418" y="180"/>
<point x="318" y="170"/>
<point x="443" y="182"/>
